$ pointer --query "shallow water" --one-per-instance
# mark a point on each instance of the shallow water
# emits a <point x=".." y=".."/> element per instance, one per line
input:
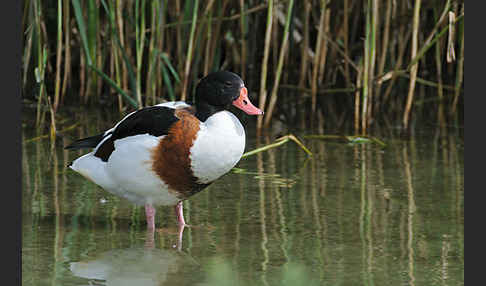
<point x="352" y="214"/>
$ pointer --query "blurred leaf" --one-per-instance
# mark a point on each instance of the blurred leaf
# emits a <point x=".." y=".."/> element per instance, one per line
<point x="355" y="140"/>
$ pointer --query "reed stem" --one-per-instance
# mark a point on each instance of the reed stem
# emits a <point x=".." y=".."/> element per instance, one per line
<point x="67" y="48"/>
<point x="28" y="19"/>
<point x="318" y="50"/>
<point x="266" y="51"/>
<point x="120" y="41"/>
<point x="305" y="45"/>
<point x="346" y="12"/>
<point x="58" y="56"/>
<point x="357" y="96"/>
<point x="283" y="50"/>
<point x="384" y="48"/>
<point x="366" y="67"/>
<point x="41" y="58"/>
<point x="243" y="39"/>
<point x="92" y="43"/>
<point x="460" y="68"/>
<point x="413" y="68"/>
<point x="149" y="57"/>
<point x="189" y="51"/>
<point x="150" y="85"/>
<point x="140" y="44"/>
<point x="323" y="54"/>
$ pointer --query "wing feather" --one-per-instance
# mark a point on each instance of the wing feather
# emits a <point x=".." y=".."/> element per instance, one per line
<point x="153" y="120"/>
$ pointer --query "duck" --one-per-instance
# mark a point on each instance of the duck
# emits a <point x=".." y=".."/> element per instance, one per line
<point x="162" y="155"/>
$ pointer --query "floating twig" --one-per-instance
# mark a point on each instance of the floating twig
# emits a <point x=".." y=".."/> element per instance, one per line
<point x="349" y="138"/>
<point x="48" y="135"/>
<point x="278" y="142"/>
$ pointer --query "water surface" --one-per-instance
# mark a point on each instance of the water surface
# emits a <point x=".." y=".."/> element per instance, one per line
<point x="352" y="214"/>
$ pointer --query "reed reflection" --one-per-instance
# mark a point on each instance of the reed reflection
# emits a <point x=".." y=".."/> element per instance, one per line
<point x="351" y="213"/>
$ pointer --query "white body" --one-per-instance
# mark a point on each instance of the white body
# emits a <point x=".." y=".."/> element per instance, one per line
<point x="218" y="147"/>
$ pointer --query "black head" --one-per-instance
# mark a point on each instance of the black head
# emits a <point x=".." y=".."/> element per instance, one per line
<point x="219" y="88"/>
<point x="216" y="92"/>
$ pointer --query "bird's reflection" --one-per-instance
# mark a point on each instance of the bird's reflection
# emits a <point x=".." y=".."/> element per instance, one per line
<point x="150" y="237"/>
<point x="135" y="266"/>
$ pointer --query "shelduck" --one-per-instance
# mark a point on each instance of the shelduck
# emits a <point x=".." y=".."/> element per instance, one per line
<point x="164" y="154"/>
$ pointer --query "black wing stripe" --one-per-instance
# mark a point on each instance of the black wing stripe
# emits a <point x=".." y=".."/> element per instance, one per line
<point x="154" y="120"/>
<point x="89" y="142"/>
<point x="105" y="149"/>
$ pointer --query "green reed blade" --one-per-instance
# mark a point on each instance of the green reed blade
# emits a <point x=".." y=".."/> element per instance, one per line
<point x="78" y="13"/>
<point x="139" y="45"/>
<point x="58" y="56"/>
<point x="115" y="86"/>
<point x="283" y="51"/>
<point x="170" y="67"/>
<point x="92" y="29"/>
<point x="29" y="31"/>
<point x="425" y="48"/>
<point x="189" y="50"/>
<point x="266" y="51"/>
<point x="131" y="74"/>
<point x="168" y="83"/>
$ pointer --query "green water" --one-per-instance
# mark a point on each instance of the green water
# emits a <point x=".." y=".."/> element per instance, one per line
<point x="352" y="214"/>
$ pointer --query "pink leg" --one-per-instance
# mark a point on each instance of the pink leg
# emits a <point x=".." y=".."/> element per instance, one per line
<point x="181" y="222"/>
<point x="150" y="239"/>
<point x="150" y="213"/>
<point x="180" y="214"/>
<point x="181" y="231"/>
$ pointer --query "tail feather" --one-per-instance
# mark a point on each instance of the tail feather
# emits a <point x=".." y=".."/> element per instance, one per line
<point x="89" y="142"/>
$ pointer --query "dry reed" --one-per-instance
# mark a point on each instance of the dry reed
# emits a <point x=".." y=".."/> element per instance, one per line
<point x="157" y="52"/>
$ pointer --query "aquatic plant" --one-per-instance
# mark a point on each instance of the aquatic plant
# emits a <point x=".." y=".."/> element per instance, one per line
<point x="367" y="61"/>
